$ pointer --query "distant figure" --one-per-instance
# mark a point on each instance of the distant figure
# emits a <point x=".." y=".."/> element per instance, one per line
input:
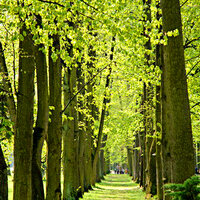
<point x="126" y="171"/>
<point x="117" y="169"/>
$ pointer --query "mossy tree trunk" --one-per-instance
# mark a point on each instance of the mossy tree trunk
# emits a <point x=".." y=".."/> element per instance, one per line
<point x="159" y="181"/>
<point x="177" y="144"/>
<point x="54" y="136"/>
<point x="82" y="123"/>
<point x="150" y="145"/>
<point x="70" y="162"/>
<point x="159" y="63"/>
<point x="92" y="115"/>
<point x="40" y="130"/>
<point x="24" y="131"/>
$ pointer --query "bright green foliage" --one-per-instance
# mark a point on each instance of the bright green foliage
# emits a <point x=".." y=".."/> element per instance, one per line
<point x="190" y="189"/>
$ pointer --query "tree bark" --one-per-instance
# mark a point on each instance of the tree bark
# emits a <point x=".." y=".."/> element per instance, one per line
<point x="23" y="137"/>
<point x="54" y="136"/>
<point x="150" y="145"/>
<point x="130" y="161"/>
<point x="177" y="144"/>
<point x="71" y="181"/>
<point x="159" y="181"/>
<point x="40" y="130"/>
<point x="82" y="132"/>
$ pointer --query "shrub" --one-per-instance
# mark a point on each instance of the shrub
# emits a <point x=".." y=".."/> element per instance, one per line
<point x="189" y="190"/>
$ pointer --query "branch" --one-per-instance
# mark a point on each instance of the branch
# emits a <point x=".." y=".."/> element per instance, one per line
<point x="58" y="4"/>
<point x="51" y="2"/>
<point x="82" y="89"/>
<point x="193" y="68"/>
<point x="192" y="58"/>
<point x="85" y="15"/>
<point x="89" y="5"/>
<point x="196" y="104"/>
<point x="189" y="42"/>
<point x="184" y="3"/>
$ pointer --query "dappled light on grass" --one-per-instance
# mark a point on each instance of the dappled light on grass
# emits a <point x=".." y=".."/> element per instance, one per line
<point x="117" y="187"/>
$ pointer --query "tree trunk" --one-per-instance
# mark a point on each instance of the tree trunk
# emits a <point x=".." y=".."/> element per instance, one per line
<point x="40" y="130"/>
<point x="98" y="170"/>
<point x="70" y="164"/>
<point x="7" y="87"/>
<point x="3" y="177"/>
<point x="136" y="159"/>
<point x="23" y="137"/>
<point x="159" y="181"/>
<point x="103" y="112"/>
<point x="88" y="157"/>
<point x="143" y="136"/>
<point x="178" y="152"/>
<point x="130" y="161"/>
<point x="150" y="148"/>
<point x="82" y="132"/>
<point x="54" y="136"/>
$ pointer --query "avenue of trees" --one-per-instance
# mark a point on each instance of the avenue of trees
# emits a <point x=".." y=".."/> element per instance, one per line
<point x="86" y="84"/>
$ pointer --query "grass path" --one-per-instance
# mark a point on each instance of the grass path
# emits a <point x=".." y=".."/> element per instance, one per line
<point x="117" y="187"/>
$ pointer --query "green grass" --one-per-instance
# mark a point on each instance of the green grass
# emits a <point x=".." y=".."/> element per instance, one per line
<point x="115" y="187"/>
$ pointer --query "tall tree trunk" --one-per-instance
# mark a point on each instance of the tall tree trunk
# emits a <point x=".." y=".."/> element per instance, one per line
<point x="102" y="158"/>
<point x="82" y="132"/>
<point x="88" y="138"/>
<point x="40" y="130"/>
<point x="24" y="133"/>
<point x="98" y="170"/>
<point x="159" y="62"/>
<point x="159" y="181"/>
<point x="3" y="177"/>
<point x="54" y="136"/>
<point x="92" y="114"/>
<point x="143" y="136"/>
<point x="150" y="148"/>
<point x="88" y="157"/>
<point x="177" y="144"/>
<point x="103" y="112"/>
<point x="100" y="133"/>
<point x="71" y="181"/>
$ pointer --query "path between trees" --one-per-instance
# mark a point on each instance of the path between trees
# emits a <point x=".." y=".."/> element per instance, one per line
<point x="117" y="187"/>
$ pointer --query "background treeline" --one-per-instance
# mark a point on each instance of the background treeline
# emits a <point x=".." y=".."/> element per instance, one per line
<point x="85" y="83"/>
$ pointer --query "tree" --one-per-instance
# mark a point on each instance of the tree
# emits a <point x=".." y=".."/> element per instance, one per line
<point x="54" y="136"/>
<point x="23" y="136"/>
<point x="177" y="144"/>
<point x="40" y="129"/>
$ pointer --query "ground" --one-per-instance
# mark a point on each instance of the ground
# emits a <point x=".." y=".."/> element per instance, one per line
<point x="115" y="187"/>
